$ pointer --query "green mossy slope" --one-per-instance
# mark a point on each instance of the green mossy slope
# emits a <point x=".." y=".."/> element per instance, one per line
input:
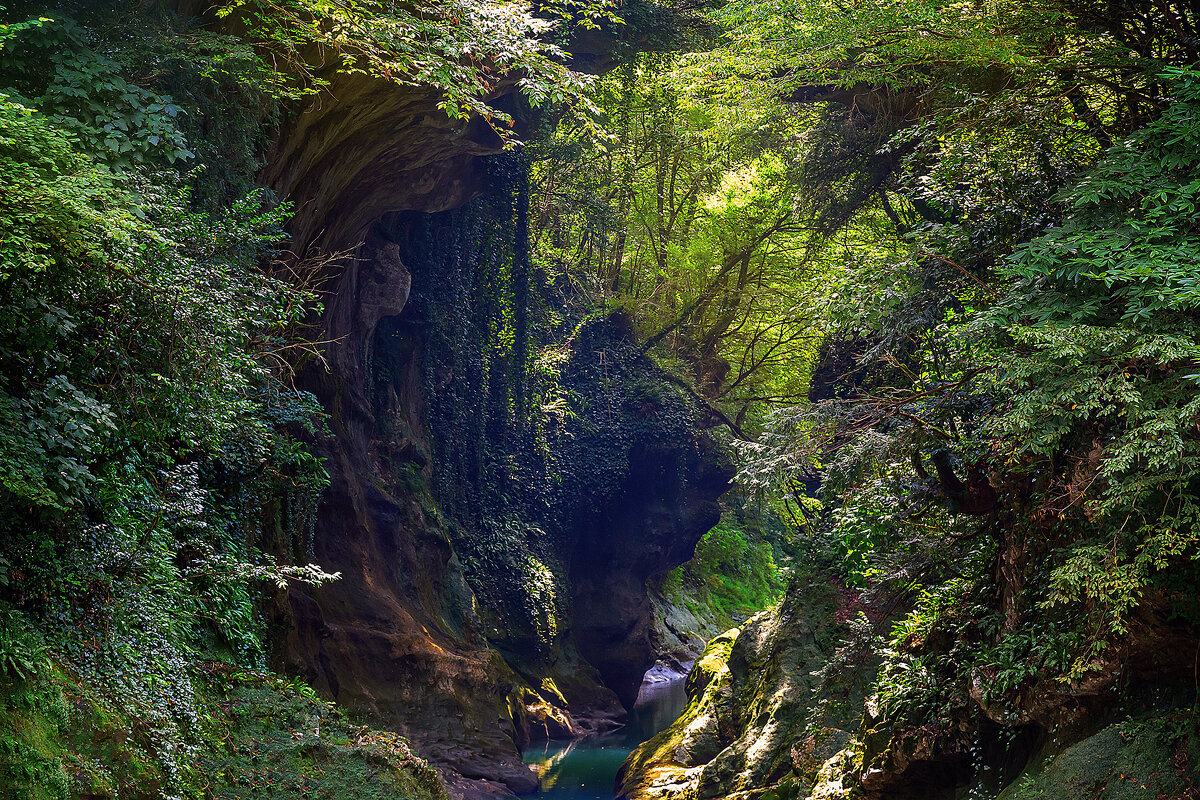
<point x="1150" y="758"/>
<point x="255" y="736"/>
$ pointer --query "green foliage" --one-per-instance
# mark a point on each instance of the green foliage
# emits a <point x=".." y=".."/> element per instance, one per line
<point x="274" y="738"/>
<point x="685" y="216"/>
<point x="83" y="93"/>
<point x="1005" y="434"/>
<point x="147" y="416"/>
<point x="22" y="650"/>
<point x="1107" y="293"/>
<point x="984" y="213"/>
<point x="734" y="572"/>
<point x="462" y="49"/>
<point x="897" y="44"/>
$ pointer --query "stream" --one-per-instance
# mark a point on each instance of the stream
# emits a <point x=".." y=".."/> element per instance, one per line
<point x="587" y="769"/>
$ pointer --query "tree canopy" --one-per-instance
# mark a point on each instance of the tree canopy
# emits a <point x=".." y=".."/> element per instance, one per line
<point x="938" y="258"/>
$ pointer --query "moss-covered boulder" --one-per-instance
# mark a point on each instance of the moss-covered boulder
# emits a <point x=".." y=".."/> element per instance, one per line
<point x="664" y="765"/>
<point x="761" y="721"/>
<point x="1154" y="758"/>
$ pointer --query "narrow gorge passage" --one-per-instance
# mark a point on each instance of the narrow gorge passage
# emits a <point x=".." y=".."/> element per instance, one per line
<point x="384" y="386"/>
<point x="586" y="769"/>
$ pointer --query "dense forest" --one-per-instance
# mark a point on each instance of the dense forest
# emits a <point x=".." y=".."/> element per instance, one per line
<point x="386" y="387"/>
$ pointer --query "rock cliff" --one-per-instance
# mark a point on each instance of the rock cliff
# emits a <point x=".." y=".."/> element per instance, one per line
<point x="494" y="545"/>
<point x="777" y="710"/>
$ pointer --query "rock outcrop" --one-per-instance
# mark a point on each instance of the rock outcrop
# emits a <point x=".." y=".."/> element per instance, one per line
<point x="777" y="710"/>
<point x="760" y="721"/>
<point x="432" y="630"/>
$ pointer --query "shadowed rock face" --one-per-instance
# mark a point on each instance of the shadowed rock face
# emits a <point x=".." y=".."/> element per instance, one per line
<point x="368" y="148"/>
<point x="396" y="637"/>
<point x="375" y="172"/>
<point x="655" y="526"/>
<point x="404" y="636"/>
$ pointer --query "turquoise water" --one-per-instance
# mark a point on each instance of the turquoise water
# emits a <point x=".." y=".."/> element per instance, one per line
<point x="587" y="769"/>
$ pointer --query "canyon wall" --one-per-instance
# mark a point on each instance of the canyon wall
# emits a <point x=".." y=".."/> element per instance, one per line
<point x="494" y="517"/>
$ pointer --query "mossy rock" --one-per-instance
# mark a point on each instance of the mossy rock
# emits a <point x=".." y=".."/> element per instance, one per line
<point x="275" y="740"/>
<point x="756" y="726"/>
<point x="695" y="737"/>
<point x="1148" y="759"/>
<point x="61" y="738"/>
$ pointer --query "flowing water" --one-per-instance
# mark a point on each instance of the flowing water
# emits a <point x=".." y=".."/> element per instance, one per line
<point x="587" y="769"/>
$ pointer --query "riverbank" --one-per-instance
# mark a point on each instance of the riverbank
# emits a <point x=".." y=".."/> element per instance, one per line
<point x="586" y="769"/>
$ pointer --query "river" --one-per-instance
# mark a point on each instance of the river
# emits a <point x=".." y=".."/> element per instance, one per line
<point x="587" y="769"/>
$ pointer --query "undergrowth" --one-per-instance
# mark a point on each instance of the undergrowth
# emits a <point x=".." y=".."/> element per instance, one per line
<point x="258" y="736"/>
<point x="740" y="567"/>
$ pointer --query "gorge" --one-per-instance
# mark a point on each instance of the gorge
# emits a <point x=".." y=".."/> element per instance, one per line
<point x="391" y="392"/>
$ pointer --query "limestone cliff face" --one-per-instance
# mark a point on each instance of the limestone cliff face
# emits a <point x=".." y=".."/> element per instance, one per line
<point x="434" y="629"/>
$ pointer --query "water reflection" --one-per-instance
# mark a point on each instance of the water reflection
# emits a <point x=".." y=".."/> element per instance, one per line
<point x="587" y="769"/>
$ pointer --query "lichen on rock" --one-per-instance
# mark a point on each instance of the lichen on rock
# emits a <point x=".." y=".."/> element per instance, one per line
<point x="755" y="725"/>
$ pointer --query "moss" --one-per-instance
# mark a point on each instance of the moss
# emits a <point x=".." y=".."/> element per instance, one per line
<point x="713" y="662"/>
<point x="830" y="780"/>
<point x="258" y="736"/>
<point x="732" y="575"/>
<point x="740" y="566"/>
<point x="1145" y="759"/>
<point x="272" y="738"/>
<point x="60" y="738"/>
